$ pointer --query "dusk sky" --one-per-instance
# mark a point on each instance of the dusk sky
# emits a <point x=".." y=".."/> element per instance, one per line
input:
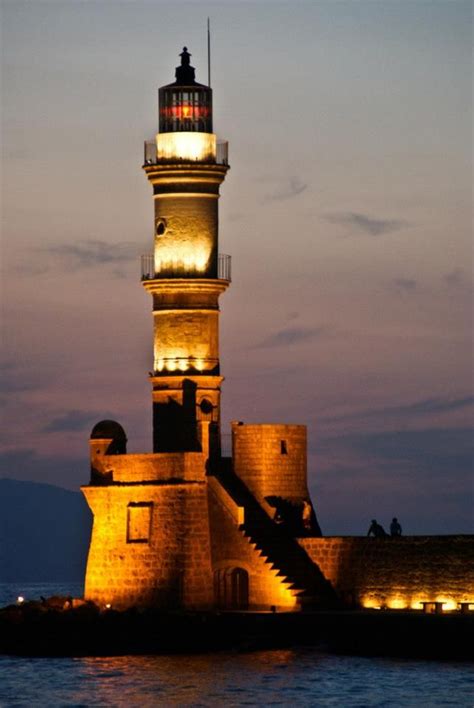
<point x="347" y="212"/>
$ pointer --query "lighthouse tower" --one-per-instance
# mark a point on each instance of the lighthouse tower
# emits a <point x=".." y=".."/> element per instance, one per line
<point x="186" y="274"/>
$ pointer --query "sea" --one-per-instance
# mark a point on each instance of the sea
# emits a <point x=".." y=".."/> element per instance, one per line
<point x="299" y="676"/>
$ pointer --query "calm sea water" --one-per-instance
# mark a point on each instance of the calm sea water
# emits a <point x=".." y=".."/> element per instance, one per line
<point x="301" y="677"/>
<point x="9" y="592"/>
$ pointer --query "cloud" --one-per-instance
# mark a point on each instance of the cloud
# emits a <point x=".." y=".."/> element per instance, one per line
<point x="405" y="284"/>
<point x="292" y="188"/>
<point x="429" y="451"/>
<point x="428" y="406"/>
<point x="89" y="253"/>
<point x="13" y="379"/>
<point x="455" y="277"/>
<point x="17" y="154"/>
<point x="74" y="420"/>
<point x="366" y="224"/>
<point x="292" y="335"/>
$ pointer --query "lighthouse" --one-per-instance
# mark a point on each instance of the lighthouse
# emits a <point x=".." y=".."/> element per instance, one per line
<point x="184" y="526"/>
<point x="185" y="275"/>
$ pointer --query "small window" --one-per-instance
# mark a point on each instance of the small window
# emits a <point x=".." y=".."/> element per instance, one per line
<point x="206" y="406"/>
<point x="283" y="447"/>
<point x="160" y="227"/>
<point x="139" y="522"/>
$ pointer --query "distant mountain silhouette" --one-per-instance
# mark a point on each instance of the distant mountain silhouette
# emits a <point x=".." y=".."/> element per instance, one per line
<point x="44" y="533"/>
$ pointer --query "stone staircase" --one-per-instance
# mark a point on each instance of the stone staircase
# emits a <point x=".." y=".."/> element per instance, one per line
<point x="277" y="548"/>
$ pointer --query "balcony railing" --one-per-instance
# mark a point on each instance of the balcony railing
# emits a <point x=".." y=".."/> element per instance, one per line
<point x="148" y="271"/>
<point x="222" y="152"/>
<point x="224" y="267"/>
<point x="151" y="157"/>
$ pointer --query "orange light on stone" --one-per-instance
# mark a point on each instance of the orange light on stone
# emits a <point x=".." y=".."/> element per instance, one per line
<point x="370" y="603"/>
<point x="177" y="256"/>
<point x="397" y="603"/>
<point x="448" y="605"/>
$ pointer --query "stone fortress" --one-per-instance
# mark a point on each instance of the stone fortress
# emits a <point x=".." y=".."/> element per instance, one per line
<point x="184" y="526"/>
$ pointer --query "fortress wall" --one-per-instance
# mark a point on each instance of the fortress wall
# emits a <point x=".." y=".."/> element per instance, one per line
<point x="154" y="466"/>
<point x="231" y="549"/>
<point x="271" y="459"/>
<point x="397" y="572"/>
<point x="150" y="546"/>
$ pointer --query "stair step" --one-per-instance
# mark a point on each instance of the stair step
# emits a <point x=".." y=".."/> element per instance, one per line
<point x="281" y="553"/>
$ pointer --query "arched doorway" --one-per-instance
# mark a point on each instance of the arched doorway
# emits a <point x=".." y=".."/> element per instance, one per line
<point x="231" y="587"/>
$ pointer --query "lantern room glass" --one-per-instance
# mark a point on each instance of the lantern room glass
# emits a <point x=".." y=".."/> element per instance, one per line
<point x="185" y="108"/>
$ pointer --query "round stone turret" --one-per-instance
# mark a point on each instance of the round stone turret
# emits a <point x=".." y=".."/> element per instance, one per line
<point x="110" y="435"/>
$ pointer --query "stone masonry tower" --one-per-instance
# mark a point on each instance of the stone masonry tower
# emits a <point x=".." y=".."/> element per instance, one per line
<point x="186" y="274"/>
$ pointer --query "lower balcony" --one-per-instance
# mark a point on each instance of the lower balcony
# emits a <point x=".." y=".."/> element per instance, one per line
<point x="179" y="270"/>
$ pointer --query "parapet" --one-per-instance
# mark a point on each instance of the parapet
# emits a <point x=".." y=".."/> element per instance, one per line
<point x="159" y="467"/>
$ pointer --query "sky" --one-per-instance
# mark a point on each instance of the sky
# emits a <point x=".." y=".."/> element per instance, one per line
<point x="347" y="211"/>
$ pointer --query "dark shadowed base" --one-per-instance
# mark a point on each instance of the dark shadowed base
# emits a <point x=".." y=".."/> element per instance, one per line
<point x="86" y="631"/>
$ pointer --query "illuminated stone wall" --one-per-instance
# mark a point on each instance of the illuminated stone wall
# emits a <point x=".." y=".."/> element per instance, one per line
<point x="151" y="467"/>
<point x="184" y="338"/>
<point x="397" y="573"/>
<point x="188" y="242"/>
<point x="271" y="459"/>
<point x="231" y="549"/>
<point x="150" y="546"/>
<point x="186" y="359"/>
<point x="186" y="324"/>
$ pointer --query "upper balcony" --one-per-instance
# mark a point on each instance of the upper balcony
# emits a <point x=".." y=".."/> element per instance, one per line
<point x="178" y="270"/>
<point x="186" y="147"/>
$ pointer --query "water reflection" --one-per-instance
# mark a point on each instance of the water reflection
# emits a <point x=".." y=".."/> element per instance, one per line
<point x="302" y="677"/>
<point x="190" y="679"/>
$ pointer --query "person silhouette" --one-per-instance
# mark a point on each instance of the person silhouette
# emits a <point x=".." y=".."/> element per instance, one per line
<point x="395" y="528"/>
<point x="307" y="512"/>
<point x="376" y="530"/>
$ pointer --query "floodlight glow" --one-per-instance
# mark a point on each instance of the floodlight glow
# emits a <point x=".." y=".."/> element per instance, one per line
<point x="185" y="145"/>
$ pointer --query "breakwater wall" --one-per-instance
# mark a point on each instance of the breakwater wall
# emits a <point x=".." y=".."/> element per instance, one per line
<point x="397" y="573"/>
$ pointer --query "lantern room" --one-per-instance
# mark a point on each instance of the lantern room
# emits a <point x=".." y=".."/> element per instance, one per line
<point x="185" y="105"/>
<point x="185" y="122"/>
